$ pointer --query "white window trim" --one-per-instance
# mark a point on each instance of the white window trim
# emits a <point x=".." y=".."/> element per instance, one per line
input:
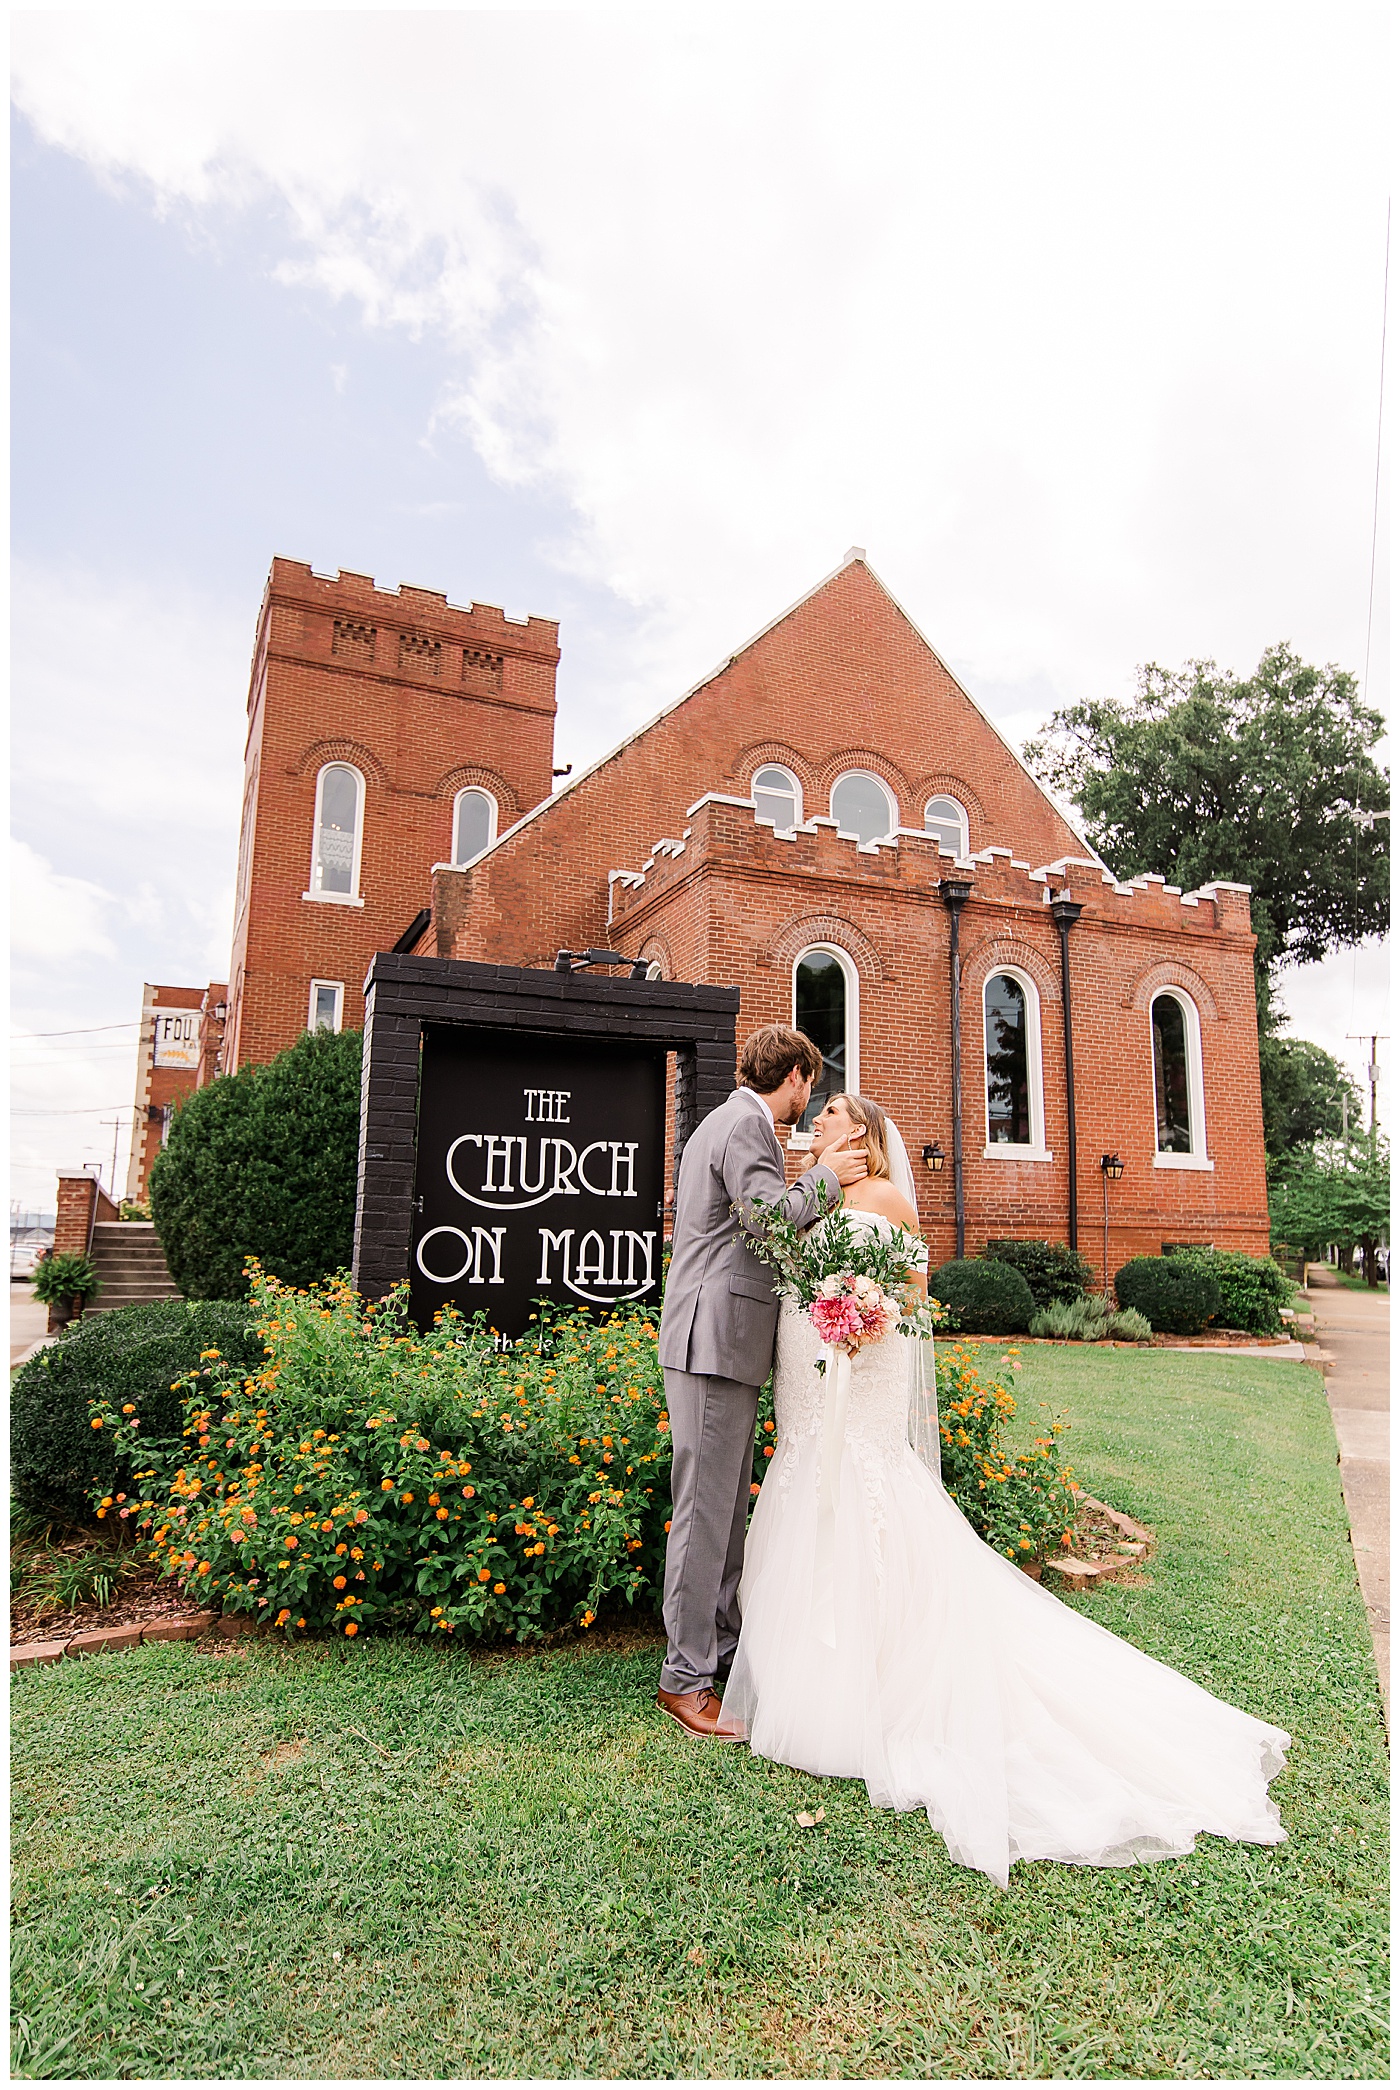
<point x="1035" y="1149"/>
<point x="965" y="832"/>
<point x="479" y="791"/>
<point x="760" y="818"/>
<point x="1198" y="1157"/>
<point x="352" y="898"/>
<point x="801" y="1141"/>
<point x="869" y="776"/>
<point x="339" y="986"/>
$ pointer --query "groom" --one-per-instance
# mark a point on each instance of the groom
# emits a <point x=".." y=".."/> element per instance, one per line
<point x="718" y="1329"/>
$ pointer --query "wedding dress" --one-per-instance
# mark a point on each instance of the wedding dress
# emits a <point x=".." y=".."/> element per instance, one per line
<point x="883" y="1639"/>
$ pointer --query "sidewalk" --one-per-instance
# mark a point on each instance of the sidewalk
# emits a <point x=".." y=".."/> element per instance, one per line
<point x="29" y="1323"/>
<point x="1355" y="1330"/>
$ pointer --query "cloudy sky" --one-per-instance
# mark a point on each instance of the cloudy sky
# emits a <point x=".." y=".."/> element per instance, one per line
<point x="638" y="319"/>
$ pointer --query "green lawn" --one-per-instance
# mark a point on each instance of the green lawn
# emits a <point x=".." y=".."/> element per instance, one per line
<point x="403" y="1860"/>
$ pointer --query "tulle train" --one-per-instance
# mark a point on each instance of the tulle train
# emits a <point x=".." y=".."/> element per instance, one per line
<point x="958" y="1685"/>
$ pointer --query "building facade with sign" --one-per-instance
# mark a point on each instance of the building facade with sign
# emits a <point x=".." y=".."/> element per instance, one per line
<point x="177" y="1052"/>
<point x="818" y="824"/>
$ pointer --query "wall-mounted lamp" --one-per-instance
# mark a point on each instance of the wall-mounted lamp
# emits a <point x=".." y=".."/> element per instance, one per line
<point x="1111" y="1168"/>
<point x="934" y="1157"/>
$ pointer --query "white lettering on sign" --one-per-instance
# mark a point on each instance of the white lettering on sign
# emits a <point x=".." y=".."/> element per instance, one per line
<point x="556" y="1164"/>
<point x="475" y="1246"/>
<point x="176" y="1036"/>
<point x="581" y="1268"/>
<point x="546" y="1106"/>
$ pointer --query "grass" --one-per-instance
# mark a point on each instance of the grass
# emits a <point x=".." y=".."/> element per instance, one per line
<point x="406" y="1860"/>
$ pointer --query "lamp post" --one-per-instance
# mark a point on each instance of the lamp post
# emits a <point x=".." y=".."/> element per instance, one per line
<point x="1065" y="912"/>
<point x="1111" y="1167"/>
<point x="955" y="894"/>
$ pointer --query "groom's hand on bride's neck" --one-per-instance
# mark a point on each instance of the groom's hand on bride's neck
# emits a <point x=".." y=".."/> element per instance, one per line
<point x="845" y="1157"/>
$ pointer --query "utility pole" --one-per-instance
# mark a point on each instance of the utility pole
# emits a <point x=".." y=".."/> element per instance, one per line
<point x="1373" y="1072"/>
<point x="116" y="1125"/>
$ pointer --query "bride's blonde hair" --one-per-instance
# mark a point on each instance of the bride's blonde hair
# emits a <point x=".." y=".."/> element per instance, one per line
<point x="871" y="1118"/>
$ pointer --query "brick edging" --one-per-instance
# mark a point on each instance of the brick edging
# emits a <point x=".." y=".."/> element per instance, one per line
<point x="117" y="1640"/>
<point x="1088" y="1574"/>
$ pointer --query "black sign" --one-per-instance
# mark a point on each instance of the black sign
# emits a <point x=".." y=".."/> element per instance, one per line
<point x="539" y="1175"/>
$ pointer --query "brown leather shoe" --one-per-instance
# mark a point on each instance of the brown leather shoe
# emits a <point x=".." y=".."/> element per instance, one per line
<point x="698" y="1712"/>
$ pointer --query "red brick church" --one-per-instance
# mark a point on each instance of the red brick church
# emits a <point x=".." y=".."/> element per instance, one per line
<point x="830" y="823"/>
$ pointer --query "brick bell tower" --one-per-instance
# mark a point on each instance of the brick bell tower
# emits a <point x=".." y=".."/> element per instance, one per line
<point x="388" y="731"/>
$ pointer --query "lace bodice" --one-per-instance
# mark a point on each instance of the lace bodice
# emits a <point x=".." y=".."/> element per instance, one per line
<point x="878" y="1410"/>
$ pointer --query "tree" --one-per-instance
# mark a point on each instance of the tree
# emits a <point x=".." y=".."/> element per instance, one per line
<point x="1336" y="1194"/>
<point x="1303" y="1088"/>
<point x="1268" y="781"/>
<point x="263" y="1163"/>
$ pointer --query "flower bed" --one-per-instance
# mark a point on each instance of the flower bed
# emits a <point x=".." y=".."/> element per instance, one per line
<point x="370" y="1475"/>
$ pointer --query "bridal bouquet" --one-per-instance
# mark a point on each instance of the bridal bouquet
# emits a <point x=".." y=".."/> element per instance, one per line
<point x="852" y="1282"/>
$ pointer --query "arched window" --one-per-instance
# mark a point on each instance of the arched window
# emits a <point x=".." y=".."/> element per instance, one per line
<point x="335" y="855"/>
<point x="1178" y="1083"/>
<point x="473" y="824"/>
<point x="861" y="806"/>
<point x="946" y="819"/>
<point x="1011" y="1051"/>
<point x="777" y="796"/>
<point x="826" y="1009"/>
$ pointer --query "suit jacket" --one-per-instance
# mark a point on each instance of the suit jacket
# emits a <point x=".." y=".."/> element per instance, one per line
<point x="721" y="1312"/>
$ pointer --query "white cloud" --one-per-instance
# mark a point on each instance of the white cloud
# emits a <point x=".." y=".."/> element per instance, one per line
<point x="52" y="916"/>
<point x="1070" y="315"/>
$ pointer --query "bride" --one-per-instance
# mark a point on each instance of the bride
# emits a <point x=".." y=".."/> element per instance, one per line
<point x="883" y="1639"/>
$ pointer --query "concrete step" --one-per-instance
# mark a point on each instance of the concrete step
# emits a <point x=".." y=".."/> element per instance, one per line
<point x="130" y="1262"/>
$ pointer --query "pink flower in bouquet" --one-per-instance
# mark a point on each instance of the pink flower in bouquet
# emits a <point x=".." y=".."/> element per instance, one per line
<point x="851" y="1310"/>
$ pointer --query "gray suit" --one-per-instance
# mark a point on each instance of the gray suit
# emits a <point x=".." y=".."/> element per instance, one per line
<point x="717" y="1333"/>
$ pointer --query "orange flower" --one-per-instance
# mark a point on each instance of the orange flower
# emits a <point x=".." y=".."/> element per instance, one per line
<point x="498" y="1589"/>
<point x="406" y="1498"/>
<point x="289" y="1543"/>
<point x="338" y="1582"/>
<point x="433" y="1501"/>
<point x="483" y="1574"/>
<point x="442" y="1516"/>
<point x="97" y="1422"/>
<point x="281" y="1618"/>
<point x="351" y="1629"/>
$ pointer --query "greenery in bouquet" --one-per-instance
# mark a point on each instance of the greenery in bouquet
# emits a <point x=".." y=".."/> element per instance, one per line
<point x="835" y="1258"/>
<point x="1021" y="1502"/>
<point x="368" y="1475"/>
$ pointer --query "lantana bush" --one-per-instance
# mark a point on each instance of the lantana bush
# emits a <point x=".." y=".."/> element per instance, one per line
<point x="369" y="1475"/>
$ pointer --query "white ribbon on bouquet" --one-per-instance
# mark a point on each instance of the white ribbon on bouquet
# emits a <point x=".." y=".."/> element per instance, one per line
<point x="837" y="1380"/>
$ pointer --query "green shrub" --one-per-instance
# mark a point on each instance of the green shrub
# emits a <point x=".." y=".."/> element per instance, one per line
<point x="1022" y="1503"/>
<point x="1252" y="1287"/>
<point x="1177" y="1296"/>
<point x="1089" y="1320"/>
<point x="262" y="1163"/>
<point x="1051" y="1269"/>
<point x="986" y="1298"/>
<point x="58" y="1278"/>
<point x="132" y="1354"/>
<point x="1073" y="1320"/>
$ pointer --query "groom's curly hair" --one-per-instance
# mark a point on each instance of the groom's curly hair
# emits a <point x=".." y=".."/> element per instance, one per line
<point x="769" y="1056"/>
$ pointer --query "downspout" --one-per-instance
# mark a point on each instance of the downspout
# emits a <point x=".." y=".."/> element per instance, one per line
<point x="1065" y="912"/>
<point x="955" y="893"/>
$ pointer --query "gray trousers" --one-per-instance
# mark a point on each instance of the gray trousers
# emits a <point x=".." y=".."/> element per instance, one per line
<point x="712" y="1425"/>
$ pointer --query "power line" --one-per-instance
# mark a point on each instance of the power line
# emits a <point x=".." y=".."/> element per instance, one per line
<point x="85" y="1110"/>
<point x="132" y="1023"/>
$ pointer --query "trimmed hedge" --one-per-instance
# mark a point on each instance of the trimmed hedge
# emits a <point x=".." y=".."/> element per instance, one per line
<point x="1252" y="1287"/>
<point x="134" y="1354"/>
<point x="1054" y="1271"/>
<point x="1177" y="1295"/>
<point x="985" y="1297"/>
